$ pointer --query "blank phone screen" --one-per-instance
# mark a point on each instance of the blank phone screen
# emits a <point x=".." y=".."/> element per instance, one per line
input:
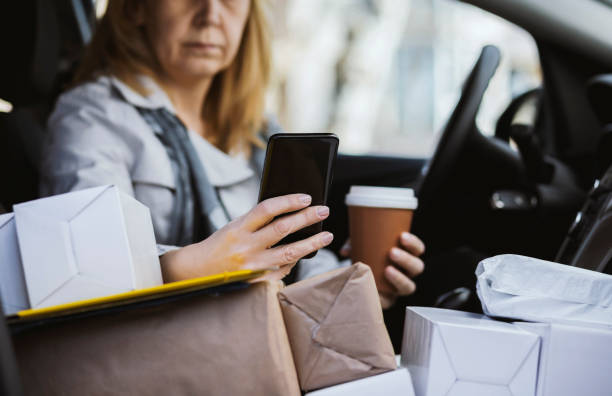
<point x="299" y="163"/>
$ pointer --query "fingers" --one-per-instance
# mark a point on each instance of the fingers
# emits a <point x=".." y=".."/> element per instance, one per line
<point x="402" y="283"/>
<point x="406" y="261"/>
<point x="412" y="243"/>
<point x="289" y="254"/>
<point x="280" y="228"/>
<point x="386" y="300"/>
<point x="274" y="275"/>
<point x="267" y="210"/>
<point x="345" y="250"/>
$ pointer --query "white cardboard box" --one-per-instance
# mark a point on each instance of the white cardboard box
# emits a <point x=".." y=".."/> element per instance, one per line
<point x="86" y="244"/>
<point x="454" y="353"/>
<point x="393" y="383"/>
<point x="12" y="282"/>
<point x="574" y="360"/>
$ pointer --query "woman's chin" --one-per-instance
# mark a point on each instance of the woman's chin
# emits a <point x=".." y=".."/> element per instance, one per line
<point x="199" y="70"/>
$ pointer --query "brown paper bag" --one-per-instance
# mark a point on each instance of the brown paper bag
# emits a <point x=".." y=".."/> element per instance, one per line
<point x="336" y="327"/>
<point x="232" y="344"/>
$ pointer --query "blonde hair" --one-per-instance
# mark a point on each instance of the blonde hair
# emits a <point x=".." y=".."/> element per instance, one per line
<point x="234" y="106"/>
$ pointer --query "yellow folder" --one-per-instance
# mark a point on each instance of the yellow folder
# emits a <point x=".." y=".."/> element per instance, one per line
<point x="150" y="293"/>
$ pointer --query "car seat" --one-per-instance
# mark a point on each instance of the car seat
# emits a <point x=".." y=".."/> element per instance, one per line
<point x="47" y="37"/>
<point x="42" y="40"/>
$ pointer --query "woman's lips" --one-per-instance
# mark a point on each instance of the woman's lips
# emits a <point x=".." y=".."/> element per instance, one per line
<point x="203" y="47"/>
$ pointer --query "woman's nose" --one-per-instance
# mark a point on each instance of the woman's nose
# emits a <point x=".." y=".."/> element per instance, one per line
<point x="209" y="12"/>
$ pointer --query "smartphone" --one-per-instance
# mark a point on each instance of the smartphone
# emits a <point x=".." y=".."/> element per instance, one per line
<point x="299" y="163"/>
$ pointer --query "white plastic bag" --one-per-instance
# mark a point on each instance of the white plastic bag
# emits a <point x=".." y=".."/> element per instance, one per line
<point x="519" y="287"/>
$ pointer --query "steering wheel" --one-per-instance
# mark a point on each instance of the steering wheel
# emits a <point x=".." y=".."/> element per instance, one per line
<point x="460" y="126"/>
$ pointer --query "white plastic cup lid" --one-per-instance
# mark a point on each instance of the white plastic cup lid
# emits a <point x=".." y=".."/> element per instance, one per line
<point x="382" y="197"/>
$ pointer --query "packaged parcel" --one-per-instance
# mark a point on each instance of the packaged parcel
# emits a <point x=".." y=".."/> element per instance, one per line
<point x="234" y="343"/>
<point x="574" y="360"/>
<point x="464" y="354"/>
<point x="336" y="327"/>
<point x="12" y="283"/>
<point x="85" y="244"/>
<point x="526" y="288"/>
<point x="392" y="383"/>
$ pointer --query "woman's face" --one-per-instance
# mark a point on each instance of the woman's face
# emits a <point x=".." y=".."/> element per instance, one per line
<point x="195" y="39"/>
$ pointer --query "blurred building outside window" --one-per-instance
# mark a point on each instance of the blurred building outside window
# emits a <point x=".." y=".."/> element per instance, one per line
<point x="386" y="74"/>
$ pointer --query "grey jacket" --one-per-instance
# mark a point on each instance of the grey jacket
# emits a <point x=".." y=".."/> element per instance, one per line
<point x="96" y="136"/>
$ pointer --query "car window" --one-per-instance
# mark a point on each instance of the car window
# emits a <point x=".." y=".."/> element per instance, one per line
<point x="385" y="75"/>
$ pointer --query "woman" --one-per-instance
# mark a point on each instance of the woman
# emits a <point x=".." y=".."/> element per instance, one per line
<point x="169" y="107"/>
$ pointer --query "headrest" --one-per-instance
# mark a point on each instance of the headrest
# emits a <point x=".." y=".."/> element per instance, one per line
<point x="43" y="43"/>
<point x="30" y="51"/>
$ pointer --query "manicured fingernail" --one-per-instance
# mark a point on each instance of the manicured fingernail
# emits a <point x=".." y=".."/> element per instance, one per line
<point x="405" y="236"/>
<point x="395" y="252"/>
<point x="323" y="211"/>
<point x="327" y="238"/>
<point x="305" y="199"/>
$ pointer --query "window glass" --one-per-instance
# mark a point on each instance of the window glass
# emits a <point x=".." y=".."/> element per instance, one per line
<point x="385" y="74"/>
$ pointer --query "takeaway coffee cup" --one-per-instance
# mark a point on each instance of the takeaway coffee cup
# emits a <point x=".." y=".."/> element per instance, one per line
<point x="377" y="217"/>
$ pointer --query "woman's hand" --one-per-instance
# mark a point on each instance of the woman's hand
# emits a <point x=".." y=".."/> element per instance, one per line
<point x="245" y="242"/>
<point x="405" y="258"/>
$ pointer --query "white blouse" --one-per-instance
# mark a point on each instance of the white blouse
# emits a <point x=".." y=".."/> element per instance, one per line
<point x="232" y="175"/>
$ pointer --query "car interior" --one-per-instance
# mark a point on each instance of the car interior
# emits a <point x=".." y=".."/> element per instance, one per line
<point x="520" y="190"/>
<point x="540" y="187"/>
